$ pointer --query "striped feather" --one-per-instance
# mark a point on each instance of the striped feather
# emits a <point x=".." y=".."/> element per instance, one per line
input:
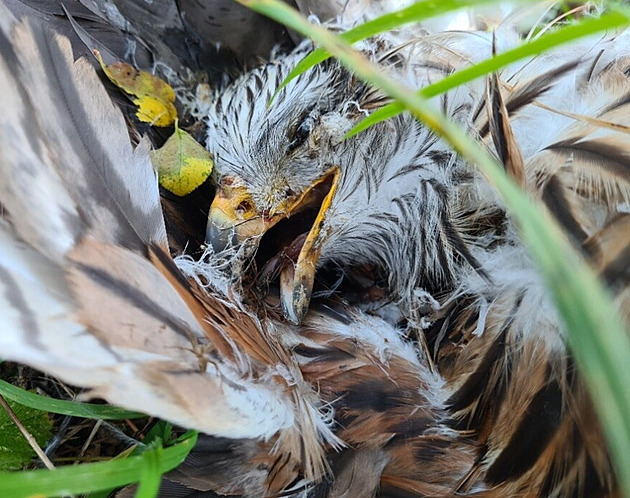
<point x="456" y="270"/>
<point x="343" y="404"/>
<point x="512" y="381"/>
<point x="89" y="290"/>
<point x="107" y="308"/>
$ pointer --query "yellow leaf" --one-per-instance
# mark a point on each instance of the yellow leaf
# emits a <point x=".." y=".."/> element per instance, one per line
<point x="154" y="97"/>
<point x="152" y="110"/>
<point x="182" y="163"/>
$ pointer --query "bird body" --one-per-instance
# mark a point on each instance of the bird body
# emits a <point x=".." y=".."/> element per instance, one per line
<point x="449" y="253"/>
<point x="468" y="389"/>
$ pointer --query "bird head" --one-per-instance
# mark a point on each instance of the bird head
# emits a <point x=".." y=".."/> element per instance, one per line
<point x="297" y="194"/>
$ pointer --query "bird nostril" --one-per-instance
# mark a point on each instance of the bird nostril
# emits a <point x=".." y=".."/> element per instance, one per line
<point x="266" y="215"/>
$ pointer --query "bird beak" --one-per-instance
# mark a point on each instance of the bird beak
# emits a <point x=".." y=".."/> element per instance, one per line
<point x="296" y="281"/>
<point x="233" y="220"/>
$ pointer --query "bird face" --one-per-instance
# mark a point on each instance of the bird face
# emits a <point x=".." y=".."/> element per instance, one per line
<point x="277" y="165"/>
<point x="296" y="194"/>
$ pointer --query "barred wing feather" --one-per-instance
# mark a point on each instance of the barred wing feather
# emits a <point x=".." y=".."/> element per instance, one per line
<point x="81" y="212"/>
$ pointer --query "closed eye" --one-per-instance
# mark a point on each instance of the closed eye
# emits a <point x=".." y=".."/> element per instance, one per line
<point x="302" y="131"/>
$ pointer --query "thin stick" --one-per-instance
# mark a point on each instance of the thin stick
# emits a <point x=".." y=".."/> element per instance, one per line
<point x="88" y="441"/>
<point x="31" y="440"/>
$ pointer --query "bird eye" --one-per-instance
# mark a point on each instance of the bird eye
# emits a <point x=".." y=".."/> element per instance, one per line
<point x="244" y="207"/>
<point x="302" y="132"/>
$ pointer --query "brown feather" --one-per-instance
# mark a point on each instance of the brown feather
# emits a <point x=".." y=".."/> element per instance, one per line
<point x="501" y="132"/>
<point x="507" y="415"/>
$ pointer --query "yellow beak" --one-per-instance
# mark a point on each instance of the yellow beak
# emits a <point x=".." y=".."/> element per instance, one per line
<point x="234" y="220"/>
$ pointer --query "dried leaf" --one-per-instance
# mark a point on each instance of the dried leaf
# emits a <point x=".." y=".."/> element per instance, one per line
<point x="154" y="97"/>
<point x="182" y="163"/>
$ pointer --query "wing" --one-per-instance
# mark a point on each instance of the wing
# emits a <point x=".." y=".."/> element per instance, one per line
<point x="500" y="344"/>
<point x="165" y="30"/>
<point x="386" y="407"/>
<point x="89" y="291"/>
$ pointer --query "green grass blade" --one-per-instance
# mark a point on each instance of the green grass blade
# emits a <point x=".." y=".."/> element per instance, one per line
<point x="63" y="407"/>
<point x="151" y="474"/>
<point x="90" y="477"/>
<point x="101" y="494"/>
<point x="597" y="334"/>
<point x="545" y="42"/>
<point x="417" y="12"/>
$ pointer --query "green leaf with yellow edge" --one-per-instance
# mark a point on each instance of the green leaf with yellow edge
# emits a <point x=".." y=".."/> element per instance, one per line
<point x="154" y="97"/>
<point x="15" y="452"/>
<point x="182" y="163"/>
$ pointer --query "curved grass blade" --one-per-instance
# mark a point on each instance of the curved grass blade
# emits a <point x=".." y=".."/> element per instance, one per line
<point x="417" y="12"/>
<point x="89" y="477"/>
<point x="596" y="333"/>
<point x="63" y="407"/>
<point x="545" y="42"/>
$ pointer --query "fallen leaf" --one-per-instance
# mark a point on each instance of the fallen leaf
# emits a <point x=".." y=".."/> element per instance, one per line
<point x="182" y="163"/>
<point x="154" y="97"/>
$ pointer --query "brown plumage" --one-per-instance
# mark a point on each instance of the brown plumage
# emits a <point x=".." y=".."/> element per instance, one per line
<point x="559" y="124"/>
<point x="344" y="404"/>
